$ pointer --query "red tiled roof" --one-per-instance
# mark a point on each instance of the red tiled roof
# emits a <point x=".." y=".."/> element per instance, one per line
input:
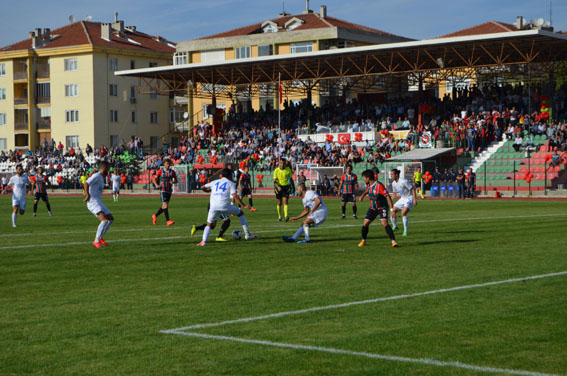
<point x="310" y="21"/>
<point x="83" y="32"/>
<point x="489" y="27"/>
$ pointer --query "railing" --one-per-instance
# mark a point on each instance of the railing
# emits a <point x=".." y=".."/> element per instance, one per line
<point x="44" y="124"/>
<point x="41" y="100"/>
<point x="42" y="74"/>
<point x="132" y="100"/>
<point x="18" y="101"/>
<point x="21" y="126"/>
<point x="20" y="75"/>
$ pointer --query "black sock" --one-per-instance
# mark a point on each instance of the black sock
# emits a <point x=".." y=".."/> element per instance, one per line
<point x="250" y="202"/>
<point x="354" y="209"/>
<point x="201" y="227"/>
<point x="390" y="232"/>
<point x="159" y="212"/>
<point x="166" y="212"/>
<point x="343" y="209"/>
<point x="48" y="207"/>
<point x="35" y="207"/>
<point x="225" y="226"/>
<point x="365" y="230"/>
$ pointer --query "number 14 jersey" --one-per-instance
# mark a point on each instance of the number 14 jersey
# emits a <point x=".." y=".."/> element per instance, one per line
<point x="221" y="193"/>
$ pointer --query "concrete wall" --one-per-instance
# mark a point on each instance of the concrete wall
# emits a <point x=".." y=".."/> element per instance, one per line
<point x="7" y="105"/>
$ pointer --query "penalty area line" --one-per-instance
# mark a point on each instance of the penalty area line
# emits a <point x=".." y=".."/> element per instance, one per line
<point x="428" y="362"/>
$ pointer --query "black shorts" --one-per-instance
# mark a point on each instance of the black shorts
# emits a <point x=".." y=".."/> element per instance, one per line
<point x="283" y="193"/>
<point x="245" y="192"/>
<point x="165" y="196"/>
<point x="348" y="197"/>
<point x="42" y="196"/>
<point x="372" y="214"/>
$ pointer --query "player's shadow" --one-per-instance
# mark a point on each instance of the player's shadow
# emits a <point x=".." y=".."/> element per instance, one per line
<point x="461" y="231"/>
<point x="458" y="241"/>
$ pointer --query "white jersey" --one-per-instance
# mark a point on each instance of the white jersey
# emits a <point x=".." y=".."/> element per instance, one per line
<point x="96" y="185"/>
<point x="115" y="182"/>
<point x="403" y="188"/>
<point x="309" y="200"/>
<point x="19" y="186"/>
<point x="221" y="193"/>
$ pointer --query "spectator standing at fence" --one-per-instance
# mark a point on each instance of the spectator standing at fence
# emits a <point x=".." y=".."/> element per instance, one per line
<point x="471" y="183"/>
<point x="460" y="178"/>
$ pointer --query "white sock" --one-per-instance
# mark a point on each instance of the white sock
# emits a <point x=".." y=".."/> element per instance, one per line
<point x="244" y="224"/>
<point x="100" y="231"/>
<point x="14" y="218"/>
<point x="406" y="222"/>
<point x="298" y="233"/>
<point x="206" y="233"/>
<point x="108" y="223"/>
<point x="394" y="221"/>
<point x="306" y="230"/>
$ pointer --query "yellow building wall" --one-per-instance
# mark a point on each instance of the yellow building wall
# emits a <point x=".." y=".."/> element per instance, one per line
<point x="195" y="57"/>
<point x="229" y="53"/>
<point x="7" y="106"/>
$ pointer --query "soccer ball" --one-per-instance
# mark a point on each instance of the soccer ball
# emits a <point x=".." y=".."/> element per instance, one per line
<point x="237" y="234"/>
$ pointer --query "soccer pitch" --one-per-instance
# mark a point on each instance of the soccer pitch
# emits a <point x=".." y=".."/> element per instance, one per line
<point x="477" y="288"/>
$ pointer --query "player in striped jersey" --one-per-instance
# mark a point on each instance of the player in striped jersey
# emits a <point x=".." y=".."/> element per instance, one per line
<point x="380" y="201"/>
<point x="245" y="183"/>
<point x="40" y="189"/>
<point x="348" y="187"/>
<point x="165" y="178"/>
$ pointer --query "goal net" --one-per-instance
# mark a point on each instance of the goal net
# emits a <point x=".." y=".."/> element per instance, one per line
<point x="316" y="172"/>
<point x="183" y="179"/>
<point x="407" y="170"/>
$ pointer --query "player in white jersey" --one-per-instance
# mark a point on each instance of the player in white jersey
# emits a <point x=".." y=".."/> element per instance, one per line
<point x="19" y="184"/>
<point x="408" y="199"/>
<point x="115" y="179"/>
<point x="93" y="190"/>
<point x="222" y="191"/>
<point x="315" y="210"/>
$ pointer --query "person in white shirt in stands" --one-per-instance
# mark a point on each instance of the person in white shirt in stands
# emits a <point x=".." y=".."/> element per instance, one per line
<point x="407" y="200"/>
<point x="93" y="191"/>
<point x="115" y="178"/>
<point x="314" y="209"/>
<point x="222" y="191"/>
<point x="19" y="183"/>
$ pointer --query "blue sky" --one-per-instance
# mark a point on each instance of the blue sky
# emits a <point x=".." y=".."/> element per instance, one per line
<point x="188" y="19"/>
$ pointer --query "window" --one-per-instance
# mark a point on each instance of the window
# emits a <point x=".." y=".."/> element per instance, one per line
<point x="72" y="90"/>
<point x="2" y="94"/>
<point x="72" y="141"/>
<point x="153" y="117"/>
<point x="43" y="92"/>
<point x="301" y="47"/>
<point x="45" y="112"/>
<point x="132" y="94"/>
<point x="3" y="144"/>
<point x="345" y="44"/>
<point x="72" y="116"/>
<point x="71" y="64"/>
<point x="113" y="90"/>
<point x="152" y="64"/>
<point x="2" y="70"/>
<point x="242" y="52"/>
<point x="180" y="58"/>
<point x="265" y="50"/>
<point x="208" y="116"/>
<point x="113" y="140"/>
<point x="113" y="64"/>
<point x="153" y="94"/>
<point x="270" y="28"/>
<point x="133" y="116"/>
<point x="132" y="64"/>
<point x="2" y="119"/>
<point x="114" y="116"/>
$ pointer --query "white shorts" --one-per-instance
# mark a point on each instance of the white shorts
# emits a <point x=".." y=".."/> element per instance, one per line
<point x="21" y="202"/>
<point x="404" y="202"/>
<point x="319" y="216"/>
<point x="116" y="189"/>
<point x="96" y="207"/>
<point x="215" y="213"/>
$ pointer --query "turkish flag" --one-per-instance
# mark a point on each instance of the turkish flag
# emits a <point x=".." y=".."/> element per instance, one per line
<point x="344" y="138"/>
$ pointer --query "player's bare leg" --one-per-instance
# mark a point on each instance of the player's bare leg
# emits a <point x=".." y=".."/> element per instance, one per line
<point x="394" y="219"/>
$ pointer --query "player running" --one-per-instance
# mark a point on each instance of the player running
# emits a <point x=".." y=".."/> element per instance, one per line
<point x="417" y="179"/>
<point x="93" y="191"/>
<point x="225" y="225"/>
<point x="283" y="179"/>
<point x="115" y="179"/>
<point x="408" y="199"/>
<point x="245" y="183"/>
<point x="314" y="209"/>
<point x="19" y="184"/>
<point x="167" y="177"/>
<point x="39" y="188"/>
<point x="222" y="190"/>
<point x="380" y="201"/>
<point x="348" y="187"/>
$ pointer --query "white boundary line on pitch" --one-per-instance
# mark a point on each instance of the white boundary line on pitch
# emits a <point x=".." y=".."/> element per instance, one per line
<point x="278" y="229"/>
<point x="429" y="362"/>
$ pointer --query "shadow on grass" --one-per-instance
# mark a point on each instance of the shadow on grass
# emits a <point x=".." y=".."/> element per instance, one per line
<point x="456" y="241"/>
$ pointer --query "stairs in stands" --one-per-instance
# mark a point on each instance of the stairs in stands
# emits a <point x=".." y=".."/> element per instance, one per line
<point x="485" y="155"/>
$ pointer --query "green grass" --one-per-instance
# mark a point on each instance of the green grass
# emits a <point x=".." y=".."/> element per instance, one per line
<point x="73" y="309"/>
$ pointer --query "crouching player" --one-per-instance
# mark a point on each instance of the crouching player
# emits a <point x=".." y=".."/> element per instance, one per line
<point x="222" y="191"/>
<point x="314" y="209"/>
<point x="380" y="201"/>
<point x="93" y="191"/>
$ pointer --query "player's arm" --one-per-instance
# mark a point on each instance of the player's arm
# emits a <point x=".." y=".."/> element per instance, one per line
<point x="390" y="202"/>
<point x="303" y="214"/>
<point x="87" y="194"/>
<point x="341" y="183"/>
<point x="175" y="181"/>
<point x="10" y="183"/>
<point x="237" y="198"/>
<point x="155" y="179"/>
<point x="316" y="206"/>
<point x="276" y="184"/>
<point x="363" y="195"/>
<point x="414" y="194"/>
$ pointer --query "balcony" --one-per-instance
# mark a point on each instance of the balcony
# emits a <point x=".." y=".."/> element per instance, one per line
<point x="20" y="75"/>
<point x="42" y="74"/>
<point x="43" y="100"/>
<point x="20" y="126"/>
<point x="44" y="124"/>
<point x="133" y="100"/>
<point x="20" y="101"/>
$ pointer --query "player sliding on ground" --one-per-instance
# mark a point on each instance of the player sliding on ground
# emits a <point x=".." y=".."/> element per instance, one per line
<point x="408" y="199"/>
<point x="314" y="209"/>
<point x="19" y="184"/>
<point x="93" y="190"/>
<point x="222" y="190"/>
<point x="380" y="201"/>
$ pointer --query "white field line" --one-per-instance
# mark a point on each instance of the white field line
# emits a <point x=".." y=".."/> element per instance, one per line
<point x="370" y="301"/>
<point x="429" y="362"/>
<point x="275" y="229"/>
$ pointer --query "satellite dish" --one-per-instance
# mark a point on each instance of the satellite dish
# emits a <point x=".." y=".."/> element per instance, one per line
<point x="72" y="19"/>
<point x="186" y="115"/>
<point x="88" y="18"/>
